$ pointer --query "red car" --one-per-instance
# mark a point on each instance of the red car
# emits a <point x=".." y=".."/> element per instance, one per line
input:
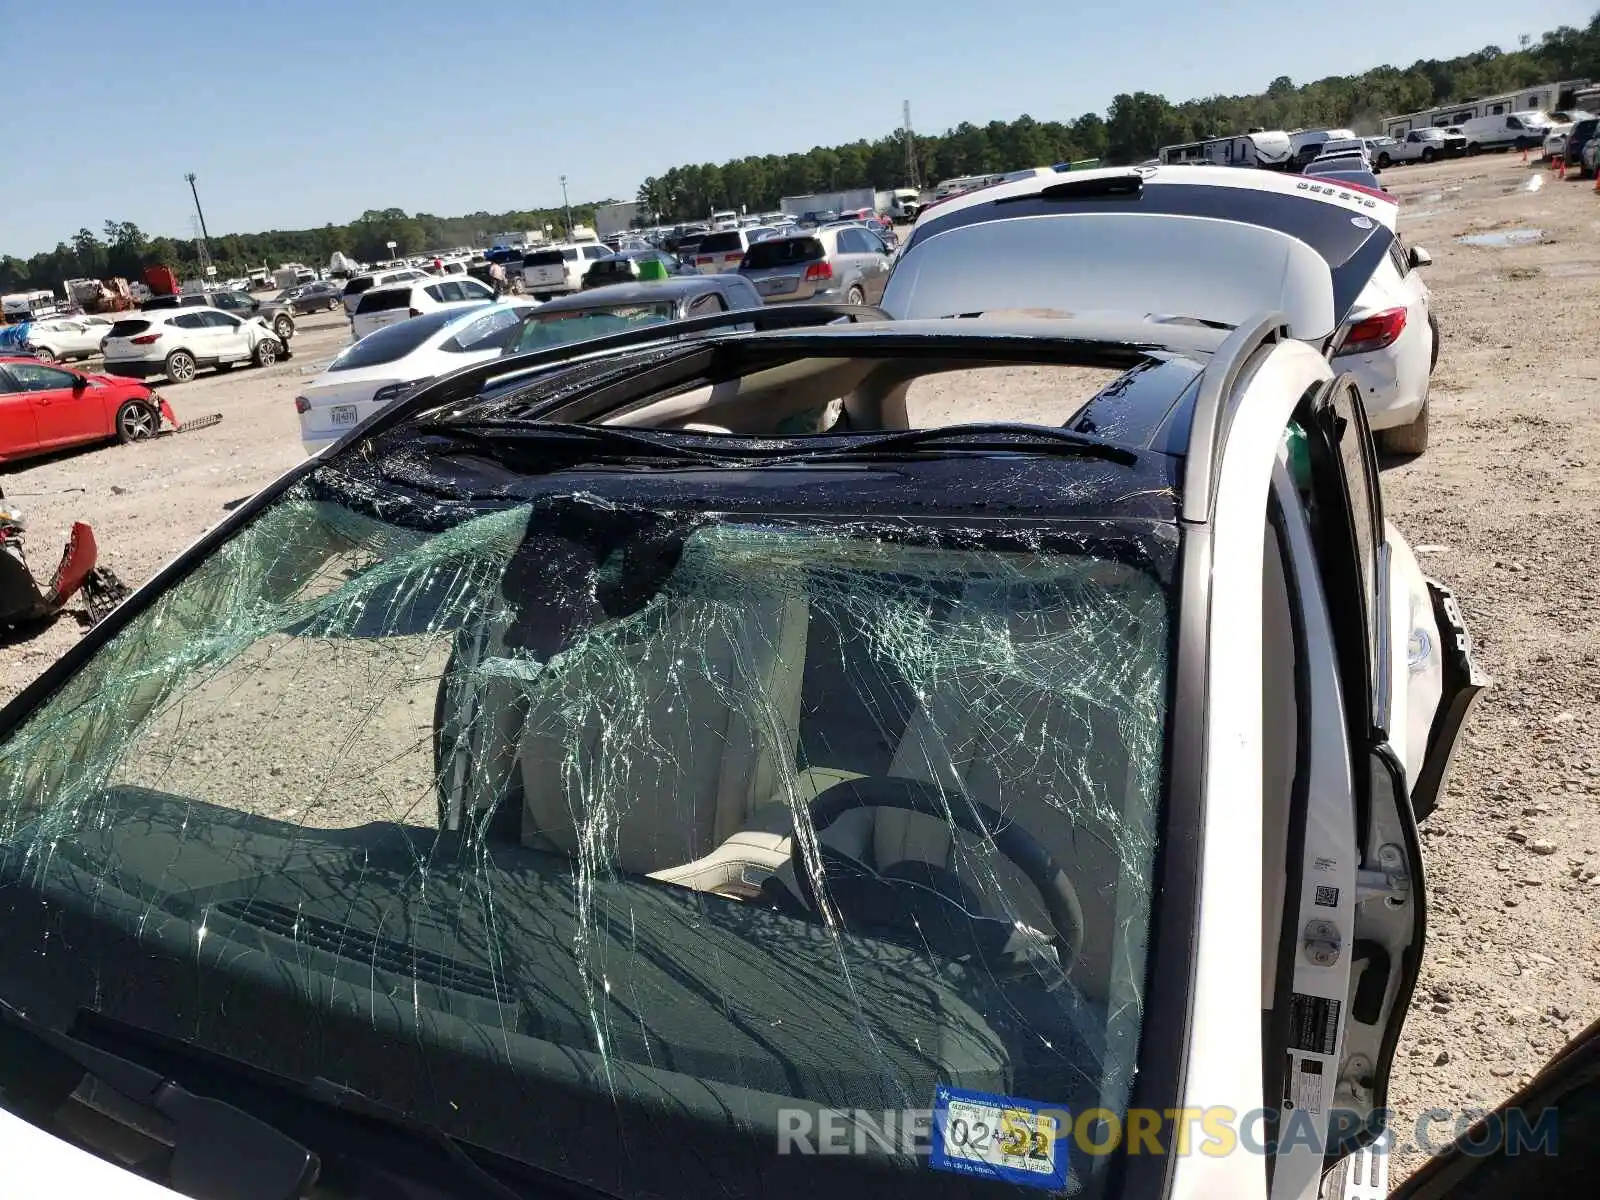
<point x="45" y="408"/>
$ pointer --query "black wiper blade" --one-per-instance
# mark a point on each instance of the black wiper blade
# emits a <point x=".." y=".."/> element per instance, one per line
<point x="619" y="443"/>
<point x="1002" y="436"/>
<point x="219" y="1152"/>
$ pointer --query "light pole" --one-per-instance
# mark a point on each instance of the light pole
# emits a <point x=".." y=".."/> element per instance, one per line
<point x="567" y="205"/>
<point x="205" y="235"/>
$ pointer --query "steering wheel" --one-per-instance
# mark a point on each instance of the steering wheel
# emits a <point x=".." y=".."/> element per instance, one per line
<point x="1014" y="842"/>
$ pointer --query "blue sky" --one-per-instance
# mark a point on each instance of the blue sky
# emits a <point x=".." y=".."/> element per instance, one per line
<point x="294" y="113"/>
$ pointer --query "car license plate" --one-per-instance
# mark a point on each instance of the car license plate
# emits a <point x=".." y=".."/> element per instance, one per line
<point x="343" y="414"/>
<point x="784" y="283"/>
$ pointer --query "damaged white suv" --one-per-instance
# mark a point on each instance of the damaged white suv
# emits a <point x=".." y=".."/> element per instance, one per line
<point x="656" y="768"/>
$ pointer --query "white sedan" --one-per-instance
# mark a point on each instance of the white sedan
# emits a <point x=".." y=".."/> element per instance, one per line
<point x="62" y="339"/>
<point x="1391" y="347"/>
<point x="396" y="360"/>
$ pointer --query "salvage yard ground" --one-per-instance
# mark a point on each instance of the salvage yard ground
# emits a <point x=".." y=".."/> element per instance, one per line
<point x="1504" y="507"/>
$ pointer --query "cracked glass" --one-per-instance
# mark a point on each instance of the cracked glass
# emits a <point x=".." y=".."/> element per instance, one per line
<point x="596" y="836"/>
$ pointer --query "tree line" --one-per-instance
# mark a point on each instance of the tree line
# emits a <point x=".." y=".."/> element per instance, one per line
<point x="1131" y="130"/>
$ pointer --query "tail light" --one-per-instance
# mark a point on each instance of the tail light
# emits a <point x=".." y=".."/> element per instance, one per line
<point x="1375" y="332"/>
<point x="144" y="339"/>
<point x="302" y="405"/>
<point x="818" y="271"/>
<point x="701" y="258"/>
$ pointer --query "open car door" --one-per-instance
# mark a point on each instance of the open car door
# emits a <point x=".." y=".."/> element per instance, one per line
<point x="1541" y="1144"/>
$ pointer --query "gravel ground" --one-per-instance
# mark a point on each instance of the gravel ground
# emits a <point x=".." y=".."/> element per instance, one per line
<point x="1503" y="507"/>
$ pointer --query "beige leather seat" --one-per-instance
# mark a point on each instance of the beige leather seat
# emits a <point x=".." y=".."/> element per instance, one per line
<point x="650" y="742"/>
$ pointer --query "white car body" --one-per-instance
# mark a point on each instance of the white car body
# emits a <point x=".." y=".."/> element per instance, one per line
<point x="1344" y="147"/>
<point x="1262" y="665"/>
<point x="358" y="285"/>
<point x="67" y="338"/>
<point x="1146" y="263"/>
<point x="1555" y="138"/>
<point x="726" y="219"/>
<point x="1418" y="145"/>
<point x="205" y="337"/>
<point x="1504" y="131"/>
<point x="343" y="396"/>
<point x="1394" y="377"/>
<point x="543" y="276"/>
<point x="400" y="302"/>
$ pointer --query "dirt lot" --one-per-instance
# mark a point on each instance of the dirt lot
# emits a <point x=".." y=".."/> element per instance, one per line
<point x="1503" y="506"/>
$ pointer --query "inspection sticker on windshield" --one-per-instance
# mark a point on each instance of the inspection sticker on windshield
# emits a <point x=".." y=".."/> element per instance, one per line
<point x="1000" y="1137"/>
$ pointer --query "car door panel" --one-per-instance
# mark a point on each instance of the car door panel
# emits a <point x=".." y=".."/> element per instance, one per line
<point x="18" y="433"/>
<point x="62" y="414"/>
<point x="1356" y="562"/>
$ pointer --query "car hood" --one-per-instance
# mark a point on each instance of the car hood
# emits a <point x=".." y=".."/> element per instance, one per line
<point x="1193" y="242"/>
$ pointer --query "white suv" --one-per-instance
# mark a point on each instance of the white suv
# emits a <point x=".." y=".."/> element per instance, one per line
<point x="390" y="305"/>
<point x="359" y="285"/>
<point x="178" y="342"/>
<point x="559" y="270"/>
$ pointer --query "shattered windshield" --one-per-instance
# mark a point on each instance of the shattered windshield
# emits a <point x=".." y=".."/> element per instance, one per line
<point x="628" y="844"/>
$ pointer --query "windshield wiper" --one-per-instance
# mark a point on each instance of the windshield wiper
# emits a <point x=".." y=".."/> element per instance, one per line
<point x="496" y="436"/>
<point x="218" y="1151"/>
<point x="987" y="436"/>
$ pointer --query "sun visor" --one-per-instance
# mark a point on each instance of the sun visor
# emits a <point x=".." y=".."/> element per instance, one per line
<point x="1129" y="262"/>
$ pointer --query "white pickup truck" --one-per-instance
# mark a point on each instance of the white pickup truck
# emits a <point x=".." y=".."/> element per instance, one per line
<point x="1422" y="145"/>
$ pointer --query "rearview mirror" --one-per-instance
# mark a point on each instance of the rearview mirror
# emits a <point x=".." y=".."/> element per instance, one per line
<point x="79" y="383"/>
<point x="1420" y="257"/>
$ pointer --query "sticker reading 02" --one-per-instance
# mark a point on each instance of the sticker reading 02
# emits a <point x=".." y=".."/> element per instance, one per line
<point x="1000" y="1137"/>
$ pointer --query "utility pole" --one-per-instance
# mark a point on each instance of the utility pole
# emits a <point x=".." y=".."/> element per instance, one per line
<point x="205" y="236"/>
<point x="912" y="179"/>
<point x="567" y="205"/>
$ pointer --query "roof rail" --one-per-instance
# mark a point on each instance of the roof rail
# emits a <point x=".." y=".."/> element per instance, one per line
<point x="468" y="380"/>
<point x="1208" y="427"/>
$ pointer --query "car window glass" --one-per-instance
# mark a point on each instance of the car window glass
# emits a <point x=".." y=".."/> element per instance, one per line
<point x="709" y="303"/>
<point x="7" y="386"/>
<point x="32" y="377"/>
<point x="189" y="321"/>
<point x="442" y="292"/>
<point x="219" y="320"/>
<point x="471" y="289"/>
<point x="492" y="331"/>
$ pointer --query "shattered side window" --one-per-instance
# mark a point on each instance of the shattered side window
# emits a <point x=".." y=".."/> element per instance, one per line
<point x="622" y="814"/>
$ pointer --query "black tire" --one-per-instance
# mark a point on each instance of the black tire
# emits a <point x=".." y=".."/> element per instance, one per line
<point x="180" y="366"/>
<point x="1427" y="154"/>
<point x="1433" y="354"/>
<point x="266" y="352"/>
<point x="1406" y="441"/>
<point x="855" y="296"/>
<point x="283" y="327"/>
<point x="137" y="420"/>
<point x="1384" y="160"/>
<point x="1473" y="149"/>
